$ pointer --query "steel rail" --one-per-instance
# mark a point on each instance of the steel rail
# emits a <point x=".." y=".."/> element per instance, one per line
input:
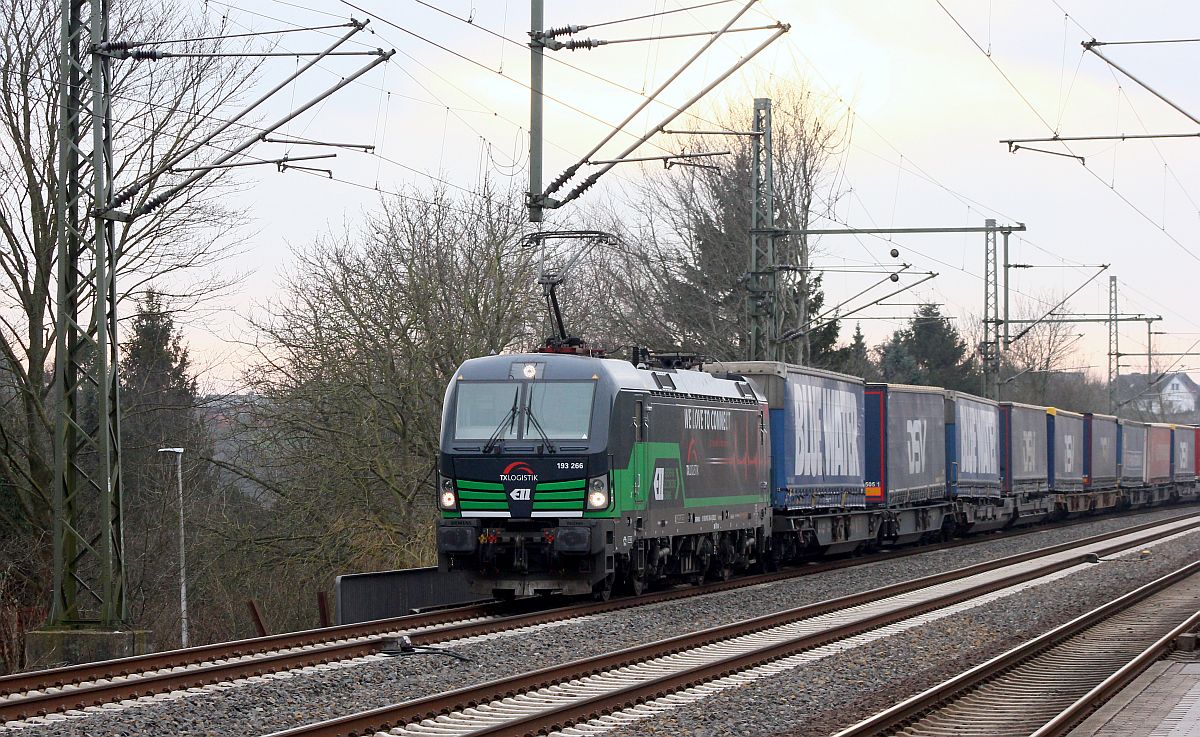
<point x="42" y="693"/>
<point x="917" y="706"/>
<point x="500" y="615"/>
<point x="125" y="667"/>
<point x="598" y="706"/>
<point x="397" y="715"/>
<point x="1109" y="687"/>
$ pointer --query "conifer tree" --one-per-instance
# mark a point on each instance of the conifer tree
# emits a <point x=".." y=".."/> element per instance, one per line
<point x="158" y="409"/>
<point x="929" y="352"/>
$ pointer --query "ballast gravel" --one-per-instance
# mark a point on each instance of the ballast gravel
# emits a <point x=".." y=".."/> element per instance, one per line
<point x="806" y="701"/>
<point x="837" y="692"/>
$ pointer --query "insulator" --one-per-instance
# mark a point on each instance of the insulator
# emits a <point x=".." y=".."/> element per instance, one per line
<point x="585" y="43"/>
<point x="585" y="185"/>
<point x="147" y="54"/>
<point x="153" y="204"/>
<point x="562" y="31"/>
<point x="126" y="196"/>
<point x="116" y="45"/>
<point x="563" y="179"/>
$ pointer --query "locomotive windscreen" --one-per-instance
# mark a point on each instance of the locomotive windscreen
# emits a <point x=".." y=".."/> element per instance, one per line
<point x="558" y="410"/>
<point x="562" y="408"/>
<point x="484" y="408"/>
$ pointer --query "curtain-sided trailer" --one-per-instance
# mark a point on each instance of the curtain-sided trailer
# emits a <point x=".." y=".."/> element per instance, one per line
<point x="1066" y="450"/>
<point x="1131" y="448"/>
<point x="1159" y="442"/>
<point x="973" y="462"/>
<point x="1183" y="461"/>
<point x="1023" y="457"/>
<point x="1025" y="460"/>
<point x="906" y="458"/>
<point x="817" y="492"/>
<point x="972" y="446"/>
<point x="1101" y="462"/>
<point x="1101" y="467"/>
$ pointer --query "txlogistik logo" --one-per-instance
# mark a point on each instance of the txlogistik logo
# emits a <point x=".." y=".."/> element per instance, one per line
<point x="518" y="471"/>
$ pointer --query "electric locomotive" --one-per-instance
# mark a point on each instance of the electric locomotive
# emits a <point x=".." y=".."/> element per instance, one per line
<point x="566" y="473"/>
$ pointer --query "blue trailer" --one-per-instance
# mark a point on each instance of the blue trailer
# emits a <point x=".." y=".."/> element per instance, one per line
<point x="816" y="420"/>
<point x="972" y="446"/>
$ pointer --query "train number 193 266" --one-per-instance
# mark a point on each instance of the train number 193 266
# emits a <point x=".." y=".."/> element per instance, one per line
<point x="572" y="465"/>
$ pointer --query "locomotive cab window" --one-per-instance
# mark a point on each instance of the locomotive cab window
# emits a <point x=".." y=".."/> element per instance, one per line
<point x="564" y="408"/>
<point x="483" y="407"/>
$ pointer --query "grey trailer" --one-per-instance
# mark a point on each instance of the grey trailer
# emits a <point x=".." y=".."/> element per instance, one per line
<point x="1183" y="464"/>
<point x="1101" y="463"/>
<point x="1066" y="449"/>
<point x="1023" y="456"/>
<point x="1131" y="440"/>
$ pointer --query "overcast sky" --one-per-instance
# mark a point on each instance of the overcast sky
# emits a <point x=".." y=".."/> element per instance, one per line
<point x="929" y="102"/>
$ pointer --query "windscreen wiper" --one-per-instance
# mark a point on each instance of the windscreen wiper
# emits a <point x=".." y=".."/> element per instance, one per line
<point x="509" y="419"/>
<point x="538" y="426"/>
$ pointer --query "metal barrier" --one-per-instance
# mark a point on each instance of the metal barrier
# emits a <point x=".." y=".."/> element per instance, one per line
<point x="362" y="597"/>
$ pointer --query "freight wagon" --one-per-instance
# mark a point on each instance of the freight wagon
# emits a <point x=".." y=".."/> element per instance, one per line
<point x="1025" y="461"/>
<point x="817" y="449"/>
<point x="906" y="458"/>
<point x="973" y="462"/>
<point x="1101" y="466"/>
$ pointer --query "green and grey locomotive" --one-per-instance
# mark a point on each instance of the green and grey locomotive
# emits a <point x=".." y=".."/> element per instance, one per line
<point x="570" y="474"/>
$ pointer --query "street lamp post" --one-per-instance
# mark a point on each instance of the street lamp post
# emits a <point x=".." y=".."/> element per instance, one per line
<point x="183" y="617"/>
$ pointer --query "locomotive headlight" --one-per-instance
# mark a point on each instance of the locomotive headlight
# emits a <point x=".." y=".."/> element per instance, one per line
<point x="449" y="498"/>
<point x="597" y="497"/>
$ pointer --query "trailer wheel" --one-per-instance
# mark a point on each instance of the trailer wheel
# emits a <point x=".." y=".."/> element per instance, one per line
<point x="603" y="590"/>
<point x="637" y="584"/>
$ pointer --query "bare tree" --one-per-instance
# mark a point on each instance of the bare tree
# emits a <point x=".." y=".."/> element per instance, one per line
<point x="680" y="282"/>
<point x="354" y="361"/>
<point x="1043" y="350"/>
<point x="157" y="112"/>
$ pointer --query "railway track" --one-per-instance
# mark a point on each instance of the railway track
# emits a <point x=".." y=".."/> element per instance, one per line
<point x="1046" y="686"/>
<point x="576" y="697"/>
<point x="40" y="693"/>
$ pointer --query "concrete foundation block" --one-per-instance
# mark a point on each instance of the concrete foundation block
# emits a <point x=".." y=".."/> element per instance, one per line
<point x="1187" y="642"/>
<point x="53" y="648"/>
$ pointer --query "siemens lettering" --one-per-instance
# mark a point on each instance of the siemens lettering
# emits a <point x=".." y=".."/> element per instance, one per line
<point x="826" y="431"/>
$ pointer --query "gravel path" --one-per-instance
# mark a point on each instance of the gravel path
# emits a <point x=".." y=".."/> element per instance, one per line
<point x="273" y="705"/>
